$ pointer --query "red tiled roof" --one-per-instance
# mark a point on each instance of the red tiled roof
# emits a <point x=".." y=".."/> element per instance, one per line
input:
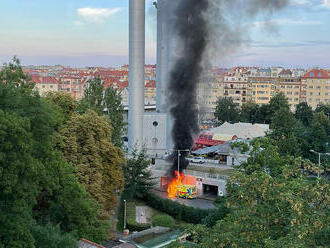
<point x="286" y="72"/>
<point x="150" y="84"/>
<point x="317" y="73"/>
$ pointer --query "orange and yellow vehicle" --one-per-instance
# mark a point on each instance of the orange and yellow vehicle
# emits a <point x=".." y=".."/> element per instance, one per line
<point x="187" y="191"/>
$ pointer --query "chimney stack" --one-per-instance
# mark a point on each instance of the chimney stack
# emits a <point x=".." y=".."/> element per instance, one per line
<point x="136" y="73"/>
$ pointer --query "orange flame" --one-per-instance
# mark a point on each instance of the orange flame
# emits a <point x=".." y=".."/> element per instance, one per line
<point x="173" y="186"/>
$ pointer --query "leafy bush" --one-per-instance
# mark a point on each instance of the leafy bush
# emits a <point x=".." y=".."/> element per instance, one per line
<point x="138" y="227"/>
<point x="177" y="210"/>
<point x="163" y="220"/>
<point x="49" y="236"/>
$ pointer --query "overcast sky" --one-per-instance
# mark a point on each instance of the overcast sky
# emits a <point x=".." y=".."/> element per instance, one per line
<point x="95" y="32"/>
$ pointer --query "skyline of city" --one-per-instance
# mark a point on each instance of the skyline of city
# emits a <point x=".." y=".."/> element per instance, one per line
<point x="95" y="33"/>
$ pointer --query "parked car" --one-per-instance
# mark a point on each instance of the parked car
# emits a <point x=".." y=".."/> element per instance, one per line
<point x="198" y="160"/>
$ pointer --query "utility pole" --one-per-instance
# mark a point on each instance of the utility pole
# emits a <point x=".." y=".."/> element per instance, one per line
<point x="124" y="214"/>
<point x="319" y="166"/>
<point x="178" y="175"/>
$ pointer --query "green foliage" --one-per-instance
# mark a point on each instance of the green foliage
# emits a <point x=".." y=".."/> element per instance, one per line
<point x="283" y="131"/>
<point x="138" y="178"/>
<point x="323" y="107"/>
<point x="105" y="102"/>
<point x="250" y="112"/>
<point x="115" y="112"/>
<point x="304" y="113"/>
<point x="36" y="185"/>
<point x="226" y="110"/>
<point x="93" y="96"/>
<point x="176" y="210"/>
<point x="270" y="207"/>
<point x="49" y="236"/>
<point x="67" y="105"/>
<point x="163" y="220"/>
<point x="85" y="141"/>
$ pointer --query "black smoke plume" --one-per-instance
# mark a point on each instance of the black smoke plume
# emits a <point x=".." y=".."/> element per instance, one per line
<point x="191" y="29"/>
<point x="203" y="28"/>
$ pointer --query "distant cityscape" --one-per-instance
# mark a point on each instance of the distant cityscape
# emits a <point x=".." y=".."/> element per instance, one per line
<point x="242" y="84"/>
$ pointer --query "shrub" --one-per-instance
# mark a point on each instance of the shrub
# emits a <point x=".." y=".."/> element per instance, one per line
<point x="177" y="210"/>
<point x="138" y="227"/>
<point x="163" y="220"/>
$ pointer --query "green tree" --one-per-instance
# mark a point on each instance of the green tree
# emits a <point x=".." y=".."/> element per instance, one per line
<point x="49" y="236"/>
<point x="138" y="178"/>
<point x="18" y="181"/>
<point x="226" y="110"/>
<point x="250" y="112"/>
<point x="325" y="108"/>
<point x="115" y="112"/>
<point x="93" y="96"/>
<point x="277" y="102"/>
<point x="270" y="209"/>
<point x="85" y="141"/>
<point x="65" y="102"/>
<point x="33" y="176"/>
<point x="304" y="113"/>
<point x="264" y="115"/>
<point x="283" y="131"/>
<point x="105" y="102"/>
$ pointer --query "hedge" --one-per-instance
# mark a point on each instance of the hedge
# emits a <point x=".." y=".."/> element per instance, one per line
<point x="134" y="226"/>
<point x="177" y="210"/>
<point x="163" y="220"/>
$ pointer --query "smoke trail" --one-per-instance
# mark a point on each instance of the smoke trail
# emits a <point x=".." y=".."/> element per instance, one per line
<point x="204" y="28"/>
<point x="192" y="31"/>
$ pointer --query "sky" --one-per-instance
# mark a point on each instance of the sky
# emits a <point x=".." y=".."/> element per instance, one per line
<point x="95" y="33"/>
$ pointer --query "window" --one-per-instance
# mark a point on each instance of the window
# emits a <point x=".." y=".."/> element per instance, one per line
<point x="289" y="93"/>
<point x="310" y="93"/>
<point x="51" y="87"/>
<point x="296" y="87"/>
<point x="311" y="87"/>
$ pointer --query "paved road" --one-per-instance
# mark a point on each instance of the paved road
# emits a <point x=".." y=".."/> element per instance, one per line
<point x="196" y="203"/>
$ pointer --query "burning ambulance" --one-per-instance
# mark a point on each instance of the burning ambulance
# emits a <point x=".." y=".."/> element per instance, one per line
<point x="187" y="191"/>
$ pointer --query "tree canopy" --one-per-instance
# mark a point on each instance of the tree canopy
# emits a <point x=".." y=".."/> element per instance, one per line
<point x="226" y="110"/>
<point x="39" y="191"/>
<point x="271" y="204"/>
<point x="106" y="102"/>
<point x="85" y="141"/>
<point x="138" y="178"/>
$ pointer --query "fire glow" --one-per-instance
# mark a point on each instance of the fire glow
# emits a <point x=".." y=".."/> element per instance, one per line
<point x="172" y="188"/>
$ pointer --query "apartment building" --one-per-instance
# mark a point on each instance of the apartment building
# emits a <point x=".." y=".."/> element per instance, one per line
<point x="315" y="87"/>
<point x="45" y="84"/>
<point x="261" y="89"/>
<point x="208" y="92"/>
<point x="291" y="88"/>
<point x="235" y="85"/>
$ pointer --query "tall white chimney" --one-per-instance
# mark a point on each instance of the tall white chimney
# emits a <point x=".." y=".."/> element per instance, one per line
<point x="136" y="73"/>
<point x="162" y="56"/>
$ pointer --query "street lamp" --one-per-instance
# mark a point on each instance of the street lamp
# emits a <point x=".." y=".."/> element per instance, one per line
<point x="319" y="153"/>
<point x="124" y="214"/>
<point x="179" y="154"/>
